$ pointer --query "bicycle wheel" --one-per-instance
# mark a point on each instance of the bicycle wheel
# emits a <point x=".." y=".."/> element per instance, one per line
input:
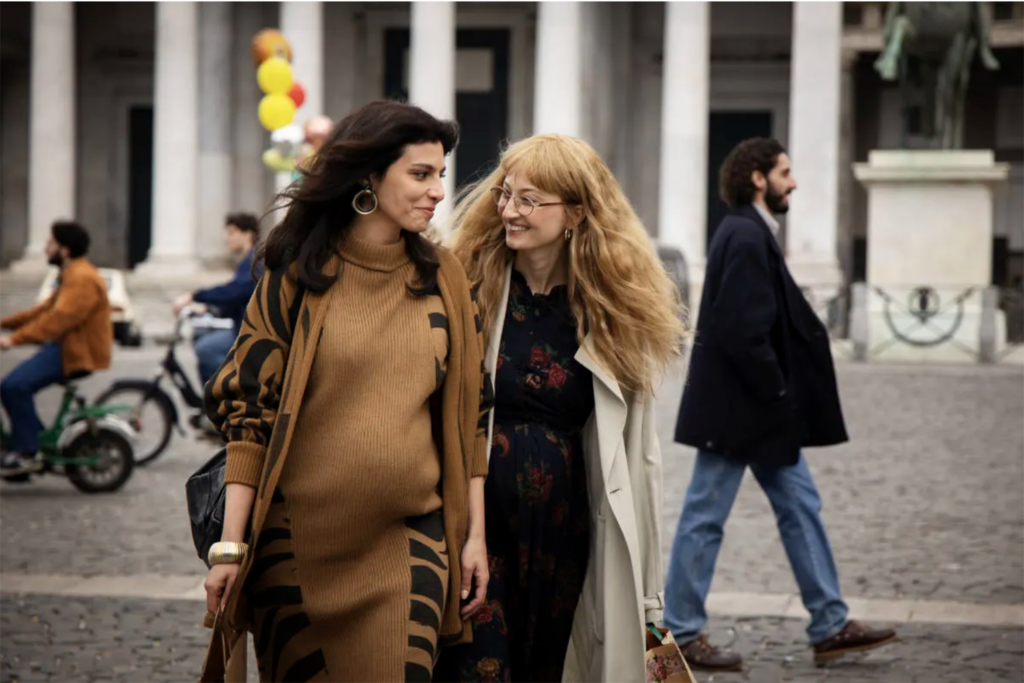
<point x="152" y="417"/>
<point x="113" y="461"/>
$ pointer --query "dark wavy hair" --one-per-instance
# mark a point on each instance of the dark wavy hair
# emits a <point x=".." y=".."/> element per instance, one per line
<point x="319" y="205"/>
<point x="246" y="222"/>
<point x="755" y="154"/>
<point x="71" y="235"/>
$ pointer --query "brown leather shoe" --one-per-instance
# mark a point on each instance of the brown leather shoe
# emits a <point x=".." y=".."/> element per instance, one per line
<point x="700" y="654"/>
<point x="855" y="637"/>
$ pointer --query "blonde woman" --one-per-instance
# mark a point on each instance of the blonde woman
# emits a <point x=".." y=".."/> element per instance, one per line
<point x="580" y="320"/>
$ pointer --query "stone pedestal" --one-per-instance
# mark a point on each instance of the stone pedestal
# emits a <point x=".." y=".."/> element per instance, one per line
<point x="929" y="254"/>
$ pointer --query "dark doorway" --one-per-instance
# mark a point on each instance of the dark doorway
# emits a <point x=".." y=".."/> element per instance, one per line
<point x="726" y="129"/>
<point x="482" y="114"/>
<point x="140" y="183"/>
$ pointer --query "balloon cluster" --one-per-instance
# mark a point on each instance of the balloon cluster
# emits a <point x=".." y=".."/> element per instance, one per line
<point x="290" y="144"/>
<point x="282" y="95"/>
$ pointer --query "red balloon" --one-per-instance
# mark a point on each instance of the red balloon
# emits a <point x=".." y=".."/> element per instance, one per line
<point x="298" y="94"/>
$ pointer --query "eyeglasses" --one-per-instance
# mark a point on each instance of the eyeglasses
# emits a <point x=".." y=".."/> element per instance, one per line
<point x="524" y="205"/>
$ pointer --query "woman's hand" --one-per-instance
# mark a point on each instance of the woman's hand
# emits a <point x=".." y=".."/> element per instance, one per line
<point x="218" y="585"/>
<point x="474" y="566"/>
<point x="237" y="512"/>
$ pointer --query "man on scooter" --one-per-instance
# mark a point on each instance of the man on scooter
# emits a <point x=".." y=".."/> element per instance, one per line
<point x="241" y="233"/>
<point x="76" y="333"/>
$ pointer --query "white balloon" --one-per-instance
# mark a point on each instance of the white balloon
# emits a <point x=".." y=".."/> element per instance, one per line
<point x="288" y="140"/>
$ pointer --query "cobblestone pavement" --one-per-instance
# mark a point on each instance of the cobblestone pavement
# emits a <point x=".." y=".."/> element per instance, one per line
<point x="142" y="529"/>
<point x="925" y="503"/>
<point x="102" y="639"/>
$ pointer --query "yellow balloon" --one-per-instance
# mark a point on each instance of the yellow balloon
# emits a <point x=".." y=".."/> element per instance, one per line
<point x="276" y="111"/>
<point x="275" y="76"/>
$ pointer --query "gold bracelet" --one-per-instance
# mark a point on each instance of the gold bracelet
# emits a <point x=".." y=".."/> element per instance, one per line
<point x="227" y="553"/>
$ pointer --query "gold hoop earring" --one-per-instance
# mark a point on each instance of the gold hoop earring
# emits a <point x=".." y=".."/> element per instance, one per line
<point x="568" y="234"/>
<point x="358" y="202"/>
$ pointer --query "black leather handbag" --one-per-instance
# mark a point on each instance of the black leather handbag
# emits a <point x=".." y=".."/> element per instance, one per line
<point x="205" y="492"/>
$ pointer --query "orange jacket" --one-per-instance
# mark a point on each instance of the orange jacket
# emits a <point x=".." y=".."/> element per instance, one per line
<point x="77" y="316"/>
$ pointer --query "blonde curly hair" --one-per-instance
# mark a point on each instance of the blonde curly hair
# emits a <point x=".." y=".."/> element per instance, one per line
<point x="619" y="290"/>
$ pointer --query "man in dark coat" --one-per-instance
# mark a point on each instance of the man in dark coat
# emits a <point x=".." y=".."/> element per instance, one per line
<point x="241" y="234"/>
<point x="761" y="385"/>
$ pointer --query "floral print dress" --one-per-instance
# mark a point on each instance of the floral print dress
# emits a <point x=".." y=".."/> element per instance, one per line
<point x="537" y="510"/>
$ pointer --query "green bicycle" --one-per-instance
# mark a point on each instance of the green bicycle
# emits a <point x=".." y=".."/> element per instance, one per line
<point x="88" y="444"/>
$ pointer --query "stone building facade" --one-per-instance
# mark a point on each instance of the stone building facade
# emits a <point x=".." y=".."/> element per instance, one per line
<point x="140" y="118"/>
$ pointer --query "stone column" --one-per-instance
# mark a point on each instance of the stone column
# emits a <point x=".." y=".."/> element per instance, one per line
<point x="558" y="90"/>
<point x="682" y="190"/>
<point x="812" y="224"/>
<point x="343" y="52"/>
<point x="14" y="165"/>
<point x="253" y="182"/>
<point x="175" y="155"/>
<point x="847" y="183"/>
<point x="599" y="91"/>
<point x="432" y="74"/>
<point x="302" y="23"/>
<point x="51" y="184"/>
<point x="643" y="125"/>
<point x="216" y="117"/>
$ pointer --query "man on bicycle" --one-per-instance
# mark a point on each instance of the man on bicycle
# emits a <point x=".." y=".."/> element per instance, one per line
<point x="241" y="233"/>
<point x="76" y="333"/>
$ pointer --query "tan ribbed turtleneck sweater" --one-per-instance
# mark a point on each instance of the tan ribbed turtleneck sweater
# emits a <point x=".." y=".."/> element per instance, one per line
<point x="363" y="462"/>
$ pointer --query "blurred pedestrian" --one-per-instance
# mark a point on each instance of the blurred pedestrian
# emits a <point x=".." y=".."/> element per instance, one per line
<point x="241" y="234"/>
<point x="76" y="335"/>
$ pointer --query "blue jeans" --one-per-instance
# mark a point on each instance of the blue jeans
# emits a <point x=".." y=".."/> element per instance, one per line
<point x="797" y="507"/>
<point x="211" y="349"/>
<point x="18" y="390"/>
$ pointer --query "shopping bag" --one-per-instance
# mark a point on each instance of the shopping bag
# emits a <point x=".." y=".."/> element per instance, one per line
<point x="664" y="661"/>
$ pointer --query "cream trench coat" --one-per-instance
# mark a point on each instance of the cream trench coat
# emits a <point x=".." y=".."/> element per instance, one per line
<point x="623" y="588"/>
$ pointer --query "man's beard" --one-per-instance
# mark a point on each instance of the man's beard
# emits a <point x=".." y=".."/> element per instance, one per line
<point x="776" y="201"/>
<point x="56" y="260"/>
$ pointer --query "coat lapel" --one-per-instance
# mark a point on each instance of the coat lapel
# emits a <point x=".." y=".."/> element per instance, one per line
<point x="494" y="347"/>
<point x="753" y="214"/>
<point x="610" y="412"/>
<point x="795" y="301"/>
<point x="587" y="357"/>
<point x="494" y="340"/>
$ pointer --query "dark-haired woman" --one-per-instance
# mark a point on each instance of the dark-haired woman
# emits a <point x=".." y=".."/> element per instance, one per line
<point x="351" y="402"/>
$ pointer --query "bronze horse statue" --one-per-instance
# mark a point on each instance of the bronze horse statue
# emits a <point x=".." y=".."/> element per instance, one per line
<point x="941" y="38"/>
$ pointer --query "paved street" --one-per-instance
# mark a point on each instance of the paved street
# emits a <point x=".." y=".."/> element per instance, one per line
<point x="924" y="509"/>
<point x="93" y="639"/>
